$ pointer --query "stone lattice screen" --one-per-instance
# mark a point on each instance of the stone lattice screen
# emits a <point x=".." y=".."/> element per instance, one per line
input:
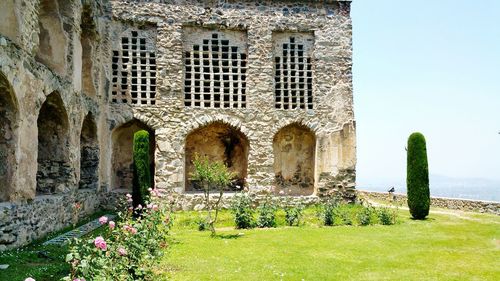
<point x="134" y="68"/>
<point x="293" y="86"/>
<point x="215" y="68"/>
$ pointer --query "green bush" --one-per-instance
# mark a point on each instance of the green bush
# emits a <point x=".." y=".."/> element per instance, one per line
<point x="293" y="214"/>
<point x="417" y="178"/>
<point x="242" y="209"/>
<point x="365" y="216"/>
<point x="142" y="169"/>
<point x="327" y="211"/>
<point x="267" y="214"/>
<point x="387" y="216"/>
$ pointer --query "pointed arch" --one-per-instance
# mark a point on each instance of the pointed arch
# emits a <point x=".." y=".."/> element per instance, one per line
<point x="89" y="154"/>
<point x="9" y="118"/>
<point x="122" y="153"/>
<point x="218" y="141"/>
<point x="54" y="169"/>
<point x="294" y="151"/>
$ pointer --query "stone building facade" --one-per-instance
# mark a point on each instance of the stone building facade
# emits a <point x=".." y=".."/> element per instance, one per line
<point x="265" y="86"/>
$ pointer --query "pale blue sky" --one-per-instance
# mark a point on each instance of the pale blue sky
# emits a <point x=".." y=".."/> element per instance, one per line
<point x="433" y="67"/>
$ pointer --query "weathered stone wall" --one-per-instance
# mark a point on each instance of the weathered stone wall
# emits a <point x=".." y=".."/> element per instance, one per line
<point x="254" y="25"/>
<point x="440" y="202"/>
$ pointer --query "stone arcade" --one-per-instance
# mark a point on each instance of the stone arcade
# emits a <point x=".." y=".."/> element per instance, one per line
<point x="265" y="86"/>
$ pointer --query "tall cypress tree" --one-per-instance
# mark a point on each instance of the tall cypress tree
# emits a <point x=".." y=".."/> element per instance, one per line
<point x="417" y="177"/>
<point x="142" y="175"/>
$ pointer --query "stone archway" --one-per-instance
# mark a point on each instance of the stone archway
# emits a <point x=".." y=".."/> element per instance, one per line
<point x="294" y="149"/>
<point x="219" y="142"/>
<point x="122" y="155"/>
<point x="89" y="154"/>
<point x="54" y="169"/>
<point x="8" y="138"/>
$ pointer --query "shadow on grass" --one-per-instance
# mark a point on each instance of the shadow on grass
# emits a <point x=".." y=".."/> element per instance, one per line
<point x="228" y="236"/>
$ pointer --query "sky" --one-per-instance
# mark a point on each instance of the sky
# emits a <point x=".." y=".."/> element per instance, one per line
<point x="432" y="67"/>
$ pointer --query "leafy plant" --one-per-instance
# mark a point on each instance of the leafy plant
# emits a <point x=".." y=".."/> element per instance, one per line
<point x="344" y="215"/>
<point x="142" y="171"/>
<point x="417" y="178"/>
<point x="267" y="213"/>
<point x="387" y="216"/>
<point x="327" y="211"/>
<point x="242" y="209"/>
<point x="293" y="214"/>
<point x="365" y="216"/>
<point x="212" y="175"/>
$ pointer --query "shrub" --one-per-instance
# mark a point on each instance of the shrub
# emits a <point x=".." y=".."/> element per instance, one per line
<point x="241" y="207"/>
<point x="212" y="175"/>
<point x="344" y="214"/>
<point x="365" y="216"/>
<point x="387" y="216"/>
<point x="267" y="213"/>
<point x="293" y="214"/>
<point x="127" y="250"/>
<point x="417" y="178"/>
<point x="142" y="170"/>
<point x="327" y="211"/>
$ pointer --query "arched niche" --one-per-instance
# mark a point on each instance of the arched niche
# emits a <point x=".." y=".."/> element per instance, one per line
<point x="54" y="168"/>
<point x="219" y="142"/>
<point x="8" y="137"/>
<point x="122" y="154"/>
<point x="88" y="42"/>
<point x="9" y="25"/>
<point x="89" y="154"/>
<point x="52" y="38"/>
<point x="294" y="149"/>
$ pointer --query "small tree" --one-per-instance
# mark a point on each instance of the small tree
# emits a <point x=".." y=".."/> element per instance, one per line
<point x="142" y="174"/>
<point x="211" y="175"/>
<point x="417" y="178"/>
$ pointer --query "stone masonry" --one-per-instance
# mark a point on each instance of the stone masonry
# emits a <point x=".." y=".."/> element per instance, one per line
<point x="264" y="86"/>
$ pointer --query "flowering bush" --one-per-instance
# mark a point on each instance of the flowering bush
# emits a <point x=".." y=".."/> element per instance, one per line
<point x="243" y="211"/>
<point x="127" y="249"/>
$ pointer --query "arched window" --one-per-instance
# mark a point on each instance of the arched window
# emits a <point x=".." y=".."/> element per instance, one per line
<point x="294" y="149"/>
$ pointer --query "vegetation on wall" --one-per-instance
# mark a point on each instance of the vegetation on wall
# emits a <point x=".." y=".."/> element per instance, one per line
<point x="142" y="171"/>
<point x="417" y="179"/>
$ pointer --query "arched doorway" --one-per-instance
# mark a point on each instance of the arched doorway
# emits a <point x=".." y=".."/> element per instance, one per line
<point x="294" y="149"/>
<point x="8" y="137"/>
<point x="54" y="169"/>
<point x="219" y="142"/>
<point x="122" y="155"/>
<point x="89" y="154"/>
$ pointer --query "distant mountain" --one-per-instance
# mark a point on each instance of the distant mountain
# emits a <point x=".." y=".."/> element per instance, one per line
<point x="443" y="186"/>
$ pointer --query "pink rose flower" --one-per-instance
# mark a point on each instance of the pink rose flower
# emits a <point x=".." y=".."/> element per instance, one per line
<point x="111" y="224"/>
<point x="133" y="230"/>
<point x="122" y="251"/>
<point x="103" y="220"/>
<point x="29" y="279"/>
<point x="155" y="207"/>
<point x="139" y="207"/>
<point x="128" y="196"/>
<point x="100" y="243"/>
<point x="149" y="206"/>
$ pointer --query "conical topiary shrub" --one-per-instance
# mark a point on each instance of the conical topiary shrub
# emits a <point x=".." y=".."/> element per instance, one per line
<point x="142" y="175"/>
<point x="417" y="177"/>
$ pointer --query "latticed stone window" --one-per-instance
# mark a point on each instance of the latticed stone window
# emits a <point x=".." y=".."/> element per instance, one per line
<point x="134" y="68"/>
<point x="293" y="87"/>
<point x="215" y="68"/>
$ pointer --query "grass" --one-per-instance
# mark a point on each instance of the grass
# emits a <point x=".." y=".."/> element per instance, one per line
<point x="443" y="247"/>
<point x="41" y="262"/>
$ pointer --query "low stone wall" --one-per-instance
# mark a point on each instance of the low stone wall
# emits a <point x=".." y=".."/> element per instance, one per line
<point x="22" y="223"/>
<point x="440" y="202"/>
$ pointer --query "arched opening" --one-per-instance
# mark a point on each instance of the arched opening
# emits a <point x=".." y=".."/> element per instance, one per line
<point x="122" y="158"/>
<point x="54" y="169"/>
<point x="53" y="41"/>
<point x="89" y="154"/>
<point x="8" y="137"/>
<point x="219" y="142"/>
<point x="87" y="40"/>
<point x="9" y="25"/>
<point x="294" y="148"/>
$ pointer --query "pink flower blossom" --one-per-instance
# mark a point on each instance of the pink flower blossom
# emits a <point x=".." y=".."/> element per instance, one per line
<point x="100" y="243"/>
<point x="128" y="195"/>
<point x="130" y="200"/>
<point x="29" y="279"/>
<point x="126" y="227"/>
<point x="103" y="220"/>
<point x="150" y="206"/>
<point x="155" y="207"/>
<point x="112" y="224"/>
<point x="150" y="189"/>
<point x="122" y="251"/>
<point x="133" y="230"/>
<point x="139" y="207"/>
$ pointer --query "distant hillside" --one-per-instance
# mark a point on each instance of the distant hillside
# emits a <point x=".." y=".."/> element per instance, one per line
<point x="468" y="188"/>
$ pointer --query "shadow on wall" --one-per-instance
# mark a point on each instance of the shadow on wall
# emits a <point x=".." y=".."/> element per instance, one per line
<point x="219" y="142"/>
<point x="122" y="158"/>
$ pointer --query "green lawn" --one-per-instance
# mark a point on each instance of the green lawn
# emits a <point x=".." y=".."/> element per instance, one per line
<point x="443" y="247"/>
